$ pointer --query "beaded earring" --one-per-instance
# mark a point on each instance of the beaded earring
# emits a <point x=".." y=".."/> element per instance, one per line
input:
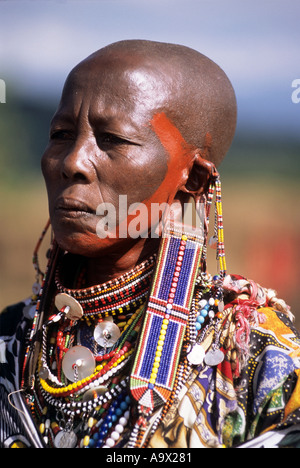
<point x="204" y="209"/>
<point x="208" y="303"/>
<point x="166" y="319"/>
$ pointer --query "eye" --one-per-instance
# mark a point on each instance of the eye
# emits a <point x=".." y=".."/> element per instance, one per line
<point x="61" y="135"/>
<point x="111" y="139"/>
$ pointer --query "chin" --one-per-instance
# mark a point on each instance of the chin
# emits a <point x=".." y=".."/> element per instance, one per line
<point x="86" y="244"/>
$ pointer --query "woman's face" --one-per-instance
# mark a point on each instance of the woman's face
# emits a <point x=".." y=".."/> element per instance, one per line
<point x="105" y="143"/>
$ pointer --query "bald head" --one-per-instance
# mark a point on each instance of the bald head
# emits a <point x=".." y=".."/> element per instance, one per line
<point x="194" y="93"/>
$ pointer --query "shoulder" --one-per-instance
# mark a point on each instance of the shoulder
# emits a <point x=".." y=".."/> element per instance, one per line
<point x="256" y="303"/>
<point x="12" y="316"/>
<point x="14" y="323"/>
<point x="263" y="323"/>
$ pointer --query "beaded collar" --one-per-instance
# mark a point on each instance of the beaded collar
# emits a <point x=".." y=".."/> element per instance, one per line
<point x="115" y="296"/>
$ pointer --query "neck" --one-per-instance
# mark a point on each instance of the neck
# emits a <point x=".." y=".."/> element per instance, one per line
<point x="115" y="264"/>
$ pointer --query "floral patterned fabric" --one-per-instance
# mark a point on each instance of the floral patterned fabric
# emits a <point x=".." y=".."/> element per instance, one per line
<point x="217" y="410"/>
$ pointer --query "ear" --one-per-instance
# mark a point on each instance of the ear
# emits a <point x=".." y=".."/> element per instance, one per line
<point x="200" y="174"/>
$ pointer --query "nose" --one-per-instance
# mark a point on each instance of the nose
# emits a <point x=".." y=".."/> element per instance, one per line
<point x="76" y="164"/>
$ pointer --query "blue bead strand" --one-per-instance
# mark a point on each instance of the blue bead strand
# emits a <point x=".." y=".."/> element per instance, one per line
<point x="116" y="410"/>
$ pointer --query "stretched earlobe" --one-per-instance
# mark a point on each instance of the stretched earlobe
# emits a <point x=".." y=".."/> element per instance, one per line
<point x="199" y="177"/>
<point x="202" y="170"/>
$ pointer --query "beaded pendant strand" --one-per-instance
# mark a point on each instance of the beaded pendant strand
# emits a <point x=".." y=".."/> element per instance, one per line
<point x="153" y="374"/>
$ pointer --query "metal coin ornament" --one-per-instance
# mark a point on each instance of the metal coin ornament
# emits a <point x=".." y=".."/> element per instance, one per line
<point x="36" y="287"/>
<point x="106" y="334"/>
<point x="214" y="357"/>
<point x="65" y="439"/>
<point x="78" y="363"/>
<point x="196" y="355"/>
<point x="69" y="306"/>
<point x="94" y="393"/>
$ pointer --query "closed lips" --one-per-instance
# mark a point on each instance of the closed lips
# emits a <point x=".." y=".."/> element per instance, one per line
<point x="73" y="205"/>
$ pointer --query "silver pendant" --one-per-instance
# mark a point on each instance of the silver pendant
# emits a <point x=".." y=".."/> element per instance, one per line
<point x="70" y="306"/>
<point x="78" y="363"/>
<point x="196" y="355"/>
<point x="106" y="334"/>
<point x="36" y="287"/>
<point x="214" y="357"/>
<point x="94" y="393"/>
<point x="65" y="439"/>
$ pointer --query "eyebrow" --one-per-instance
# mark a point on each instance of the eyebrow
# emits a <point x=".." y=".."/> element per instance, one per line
<point x="61" y="118"/>
<point x="117" y="124"/>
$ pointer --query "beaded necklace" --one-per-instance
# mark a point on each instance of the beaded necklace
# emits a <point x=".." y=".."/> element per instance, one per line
<point x="77" y="413"/>
<point x="114" y="298"/>
<point x="87" y="413"/>
<point x="89" y="399"/>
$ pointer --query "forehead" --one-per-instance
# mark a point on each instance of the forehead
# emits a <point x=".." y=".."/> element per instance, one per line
<point x="106" y="87"/>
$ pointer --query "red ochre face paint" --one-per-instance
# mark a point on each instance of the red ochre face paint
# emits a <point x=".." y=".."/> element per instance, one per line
<point x="181" y="154"/>
<point x="171" y="138"/>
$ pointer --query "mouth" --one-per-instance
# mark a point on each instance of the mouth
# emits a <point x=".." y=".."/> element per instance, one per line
<point x="73" y="208"/>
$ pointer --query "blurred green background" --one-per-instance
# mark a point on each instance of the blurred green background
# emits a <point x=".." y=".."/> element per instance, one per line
<point x="257" y="45"/>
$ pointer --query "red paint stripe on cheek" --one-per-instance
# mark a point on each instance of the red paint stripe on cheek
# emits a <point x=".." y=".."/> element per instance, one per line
<point x="170" y="137"/>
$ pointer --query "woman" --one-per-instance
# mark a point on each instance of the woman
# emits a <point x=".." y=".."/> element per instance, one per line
<point x="129" y="342"/>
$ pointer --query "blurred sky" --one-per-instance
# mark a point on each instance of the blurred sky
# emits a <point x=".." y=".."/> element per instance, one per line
<point x="255" y="42"/>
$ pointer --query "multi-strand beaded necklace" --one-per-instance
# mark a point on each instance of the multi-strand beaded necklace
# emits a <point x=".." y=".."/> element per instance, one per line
<point x="75" y="409"/>
<point x="114" y="298"/>
<point x="94" y="411"/>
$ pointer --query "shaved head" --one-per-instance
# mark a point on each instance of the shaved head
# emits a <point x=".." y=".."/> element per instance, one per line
<point x="194" y="92"/>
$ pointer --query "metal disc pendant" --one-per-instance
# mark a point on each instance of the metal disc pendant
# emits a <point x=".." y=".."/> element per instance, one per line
<point x="94" y="393"/>
<point x="214" y="357"/>
<point x="73" y="309"/>
<point x="65" y="439"/>
<point x="106" y="334"/>
<point x="78" y="363"/>
<point x="196" y="355"/>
